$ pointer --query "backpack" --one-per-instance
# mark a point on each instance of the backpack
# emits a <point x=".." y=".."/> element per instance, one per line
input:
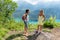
<point x="23" y="18"/>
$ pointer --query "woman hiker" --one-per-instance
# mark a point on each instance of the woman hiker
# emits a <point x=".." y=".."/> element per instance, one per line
<point x="41" y="18"/>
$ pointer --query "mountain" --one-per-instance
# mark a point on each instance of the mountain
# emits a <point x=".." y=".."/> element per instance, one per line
<point x="49" y="9"/>
<point x="25" y="5"/>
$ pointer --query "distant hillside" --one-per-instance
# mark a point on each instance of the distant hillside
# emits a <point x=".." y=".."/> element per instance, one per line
<point x="52" y="9"/>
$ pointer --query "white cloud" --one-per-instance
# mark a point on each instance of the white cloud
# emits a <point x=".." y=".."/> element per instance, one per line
<point x="51" y="0"/>
<point x="34" y="2"/>
<point x="16" y="0"/>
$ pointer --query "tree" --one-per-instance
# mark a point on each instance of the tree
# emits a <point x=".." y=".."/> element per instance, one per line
<point x="7" y="7"/>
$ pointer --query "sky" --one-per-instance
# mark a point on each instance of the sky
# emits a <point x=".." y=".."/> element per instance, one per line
<point x="35" y="2"/>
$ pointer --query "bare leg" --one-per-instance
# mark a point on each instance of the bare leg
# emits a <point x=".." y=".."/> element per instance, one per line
<point x="37" y="29"/>
<point x="40" y="28"/>
<point x="25" y="31"/>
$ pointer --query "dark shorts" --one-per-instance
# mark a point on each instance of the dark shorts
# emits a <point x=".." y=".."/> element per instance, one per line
<point x="26" y="24"/>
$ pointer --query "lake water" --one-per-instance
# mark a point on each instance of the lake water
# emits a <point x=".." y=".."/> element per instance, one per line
<point x="57" y="20"/>
<point x="33" y="21"/>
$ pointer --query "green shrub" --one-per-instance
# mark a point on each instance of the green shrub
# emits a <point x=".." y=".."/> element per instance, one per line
<point x="50" y="23"/>
<point x="3" y="32"/>
<point x="12" y="25"/>
<point x="57" y="24"/>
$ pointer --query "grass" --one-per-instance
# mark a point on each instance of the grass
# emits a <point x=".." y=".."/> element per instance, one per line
<point x="58" y="25"/>
<point x="14" y="26"/>
<point x="46" y="30"/>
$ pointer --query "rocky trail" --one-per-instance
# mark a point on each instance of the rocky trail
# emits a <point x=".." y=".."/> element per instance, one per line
<point x="54" y="35"/>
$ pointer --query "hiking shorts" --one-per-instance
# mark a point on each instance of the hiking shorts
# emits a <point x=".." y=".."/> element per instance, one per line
<point x="26" y="24"/>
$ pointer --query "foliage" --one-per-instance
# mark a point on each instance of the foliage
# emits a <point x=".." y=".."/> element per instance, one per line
<point x="3" y="32"/>
<point x="57" y="24"/>
<point x="50" y="23"/>
<point x="32" y="27"/>
<point x="16" y="26"/>
<point x="7" y="7"/>
<point x="46" y="30"/>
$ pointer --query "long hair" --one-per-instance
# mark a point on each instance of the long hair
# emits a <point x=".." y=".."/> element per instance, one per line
<point x="41" y="13"/>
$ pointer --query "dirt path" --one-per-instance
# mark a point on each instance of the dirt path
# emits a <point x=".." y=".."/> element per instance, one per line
<point x="54" y="35"/>
<point x="56" y="32"/>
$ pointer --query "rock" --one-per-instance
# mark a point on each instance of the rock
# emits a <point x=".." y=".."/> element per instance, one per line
<point x="54" y="35"/>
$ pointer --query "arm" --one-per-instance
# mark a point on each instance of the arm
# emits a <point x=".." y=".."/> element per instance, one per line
<point x="44" y="17"/>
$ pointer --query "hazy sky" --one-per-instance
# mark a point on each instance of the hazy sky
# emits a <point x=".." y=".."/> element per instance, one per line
<point x="35" y="2"/>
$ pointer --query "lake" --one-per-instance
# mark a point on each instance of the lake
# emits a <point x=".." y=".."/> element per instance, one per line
<point x="33" y="21"/>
